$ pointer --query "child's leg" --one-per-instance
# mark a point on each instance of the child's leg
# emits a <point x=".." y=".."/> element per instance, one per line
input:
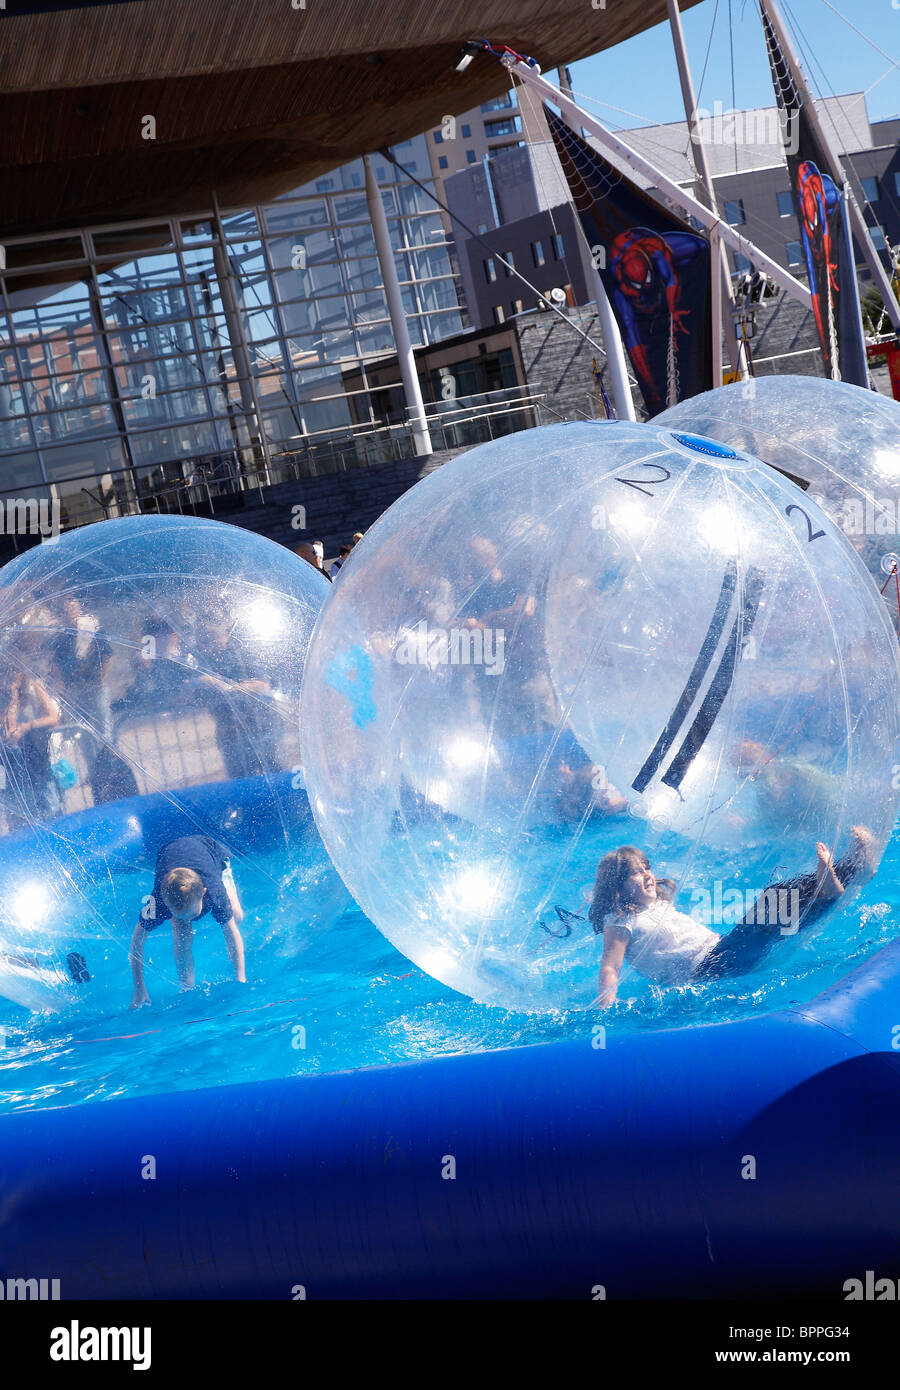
<point x="786" y="907"/>
<point x="183" y="936"/>
<point x="738" y="952"/>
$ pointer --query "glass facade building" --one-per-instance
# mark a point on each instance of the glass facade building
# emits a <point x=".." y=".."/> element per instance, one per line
<point x="135" y="356"/>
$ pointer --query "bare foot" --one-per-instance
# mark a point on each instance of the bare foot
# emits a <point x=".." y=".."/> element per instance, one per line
<point x="863" y="849"/>
<point x="828" y="885"/>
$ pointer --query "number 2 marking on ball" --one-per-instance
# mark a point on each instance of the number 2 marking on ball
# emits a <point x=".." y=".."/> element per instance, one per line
<point x="644" y="484"/>
<point x="811" y="535"/>
<point x="719" y="686"/>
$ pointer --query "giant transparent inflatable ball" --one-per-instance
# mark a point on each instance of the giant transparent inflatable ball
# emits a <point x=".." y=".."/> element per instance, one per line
<point x="839" y="442"/>
<point x="150" y="672"/>
<point x="574" y="638"/>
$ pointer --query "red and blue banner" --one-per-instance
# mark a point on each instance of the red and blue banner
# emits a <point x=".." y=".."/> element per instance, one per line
<point x="655" y="269"/>
<point x="824" y="228"/>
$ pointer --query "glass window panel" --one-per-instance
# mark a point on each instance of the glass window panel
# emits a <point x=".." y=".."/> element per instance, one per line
<point x="351" y="209"/>
<point x="431" y="262"/>
<point x="443" y="325"/>
<point x="297" y="216"/>
<point x="66" y="423"/>
<point x="303" y="284"/>
<point x="20" y="255"/>
<point x="411" y="198"/>
<point x="199" y="259"/>
<point x="368" y="307"/>
<point x="338" y="345"/>
<point x="177" y="443"/>
<point x="175" y="406"/>
<point x="260" y="326"/>
<point x="376" y="339"/>
<point x="147" y="273"/>
<point x="506" y="125"/>
<point x="193" y="231"/>
<point x="246" y="259"/>
<point x="325" y="415"/>
<point x="309" y="248"/>
<point x="363" y="275"/>
<point x="20" y="469"/>
<point x="125" y="307"/>
<point x="268" y="357"/>
<point x="205" y="297"/>
<point x="125" y="242"/>
<point x="425" y="231"/>
<point x="356" y="241"/>
<point x="240" y="224"/>
<point x="397" y="234"/>
<point x="69" y="306"/>
<point x="437" y="294"/>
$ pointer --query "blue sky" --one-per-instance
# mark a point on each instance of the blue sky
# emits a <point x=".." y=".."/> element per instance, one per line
<point x="640" y="76"/>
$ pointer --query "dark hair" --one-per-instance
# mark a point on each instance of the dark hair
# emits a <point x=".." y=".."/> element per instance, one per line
<point x="612" y="871"/>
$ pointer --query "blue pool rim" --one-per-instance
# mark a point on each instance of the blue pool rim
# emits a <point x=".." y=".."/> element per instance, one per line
<point x="734" y="1159"/>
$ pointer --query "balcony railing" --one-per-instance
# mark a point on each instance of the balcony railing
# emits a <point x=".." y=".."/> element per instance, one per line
<point x="221" y="483"/>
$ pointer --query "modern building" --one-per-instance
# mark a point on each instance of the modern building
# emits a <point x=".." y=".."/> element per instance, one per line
<point x="134" y="355"/>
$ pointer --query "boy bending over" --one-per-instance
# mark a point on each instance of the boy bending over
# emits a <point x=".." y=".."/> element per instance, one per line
<point x="193" y="877"/>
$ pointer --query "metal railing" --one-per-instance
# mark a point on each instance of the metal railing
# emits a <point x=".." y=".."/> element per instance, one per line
<point x="213" y="484"/>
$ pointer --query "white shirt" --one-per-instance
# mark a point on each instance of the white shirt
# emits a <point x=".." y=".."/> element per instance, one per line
<point x="664" y="944"/>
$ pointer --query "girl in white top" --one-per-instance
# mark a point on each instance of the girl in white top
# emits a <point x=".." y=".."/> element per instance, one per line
<point x="633" y="911"/>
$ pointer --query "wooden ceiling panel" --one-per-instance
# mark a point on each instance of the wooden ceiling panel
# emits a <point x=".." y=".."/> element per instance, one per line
<point x="249" y="99"/>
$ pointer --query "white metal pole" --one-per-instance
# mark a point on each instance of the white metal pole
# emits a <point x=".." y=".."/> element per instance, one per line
<point x="615" y="145"/>
<point x="414" y="404"/>
<point x="616" y="364"/>
<point x="615" y="352"/>
<point x="770" y="10"/>
<point x="720" y="277"/>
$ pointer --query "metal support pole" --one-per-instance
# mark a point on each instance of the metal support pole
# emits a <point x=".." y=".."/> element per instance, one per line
<point x="612" y="339"/>
<point x="666" y="186"/>
<point x="771" y="12"/>
<point x="615" y="352"/>
<point x="722" y="303"/>
<point x="109" y="369"/>
<point x="239" y="346"/>
<point x="414" y="403"/>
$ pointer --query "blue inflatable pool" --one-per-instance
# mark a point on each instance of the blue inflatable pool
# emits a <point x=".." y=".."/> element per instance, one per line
<point x="750" y="1157"/>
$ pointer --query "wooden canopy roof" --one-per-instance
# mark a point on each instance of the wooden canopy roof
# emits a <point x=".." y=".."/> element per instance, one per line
<point x="250" y="97"/>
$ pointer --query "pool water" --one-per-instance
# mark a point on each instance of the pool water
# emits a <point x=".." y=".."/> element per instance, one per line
<point x="340" y="997"/>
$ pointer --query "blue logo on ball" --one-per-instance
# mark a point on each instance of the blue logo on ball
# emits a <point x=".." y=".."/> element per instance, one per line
<point x="704" y="446"/>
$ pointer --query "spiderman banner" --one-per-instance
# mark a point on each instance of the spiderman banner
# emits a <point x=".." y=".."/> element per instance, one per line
<point x="824" y="231"/>
<point x="655" y="270"/>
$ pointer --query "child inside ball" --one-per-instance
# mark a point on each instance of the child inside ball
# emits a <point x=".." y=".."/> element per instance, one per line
<point x="634" y="912"/>
<point x="193" y="877"/>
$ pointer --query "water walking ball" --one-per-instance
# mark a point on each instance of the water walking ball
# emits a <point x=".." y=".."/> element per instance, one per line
<point x="150" y="672"/>
<point x="837" y="441"/>
<point x="574" y="638"/>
